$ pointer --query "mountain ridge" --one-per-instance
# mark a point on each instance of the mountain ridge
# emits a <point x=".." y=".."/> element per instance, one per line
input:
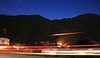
<point x="32" y="28"/>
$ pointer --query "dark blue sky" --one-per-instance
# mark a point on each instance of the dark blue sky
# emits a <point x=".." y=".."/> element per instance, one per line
<point x="51" y="9"/>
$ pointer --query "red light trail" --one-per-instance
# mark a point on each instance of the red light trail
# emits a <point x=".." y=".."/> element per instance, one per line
<point x="66" y="34"/>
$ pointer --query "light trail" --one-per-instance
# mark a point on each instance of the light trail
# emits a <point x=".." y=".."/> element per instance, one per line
<point x="55" y="49"/>
<point x="52" y="46"/>
<point x="94" y="45"/>
<point x="44" y="47"/>
<point x="50" y="54"/>
<point x="79" y="51"/>
<point x="66" y="34"/>
<point x="67" y="47"/>
<point x="82" y="45"/>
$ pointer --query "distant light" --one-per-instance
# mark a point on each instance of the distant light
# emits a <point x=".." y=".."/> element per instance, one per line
<point x="59" y="46"/>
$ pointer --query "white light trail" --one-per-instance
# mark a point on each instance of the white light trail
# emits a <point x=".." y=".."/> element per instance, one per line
<point x="79" y="51"/>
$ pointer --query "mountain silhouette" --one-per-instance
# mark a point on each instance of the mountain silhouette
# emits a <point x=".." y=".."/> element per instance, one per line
<point x="32" y="28"/>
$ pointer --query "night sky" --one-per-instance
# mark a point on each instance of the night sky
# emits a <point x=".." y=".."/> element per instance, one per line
<point x="51" y="9"/>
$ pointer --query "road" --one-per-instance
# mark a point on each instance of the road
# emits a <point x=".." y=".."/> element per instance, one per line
<point x="6" y="55"/>
<point x="28" y="56"/>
